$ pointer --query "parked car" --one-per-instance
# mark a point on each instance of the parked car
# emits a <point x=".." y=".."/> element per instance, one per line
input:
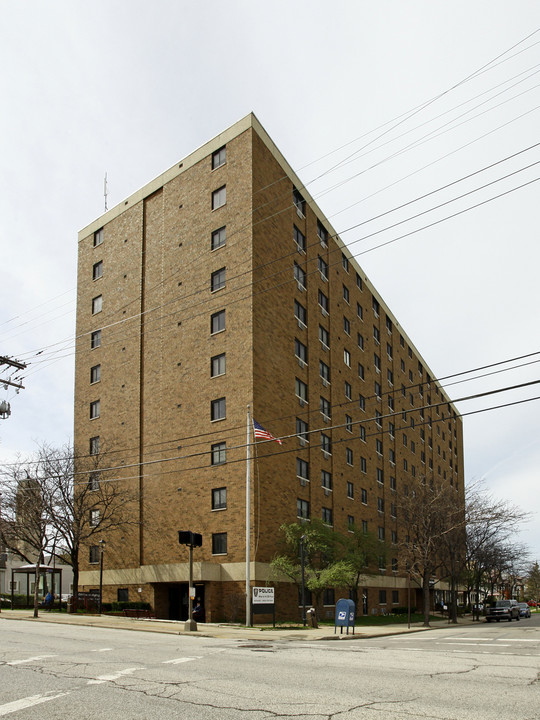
<point x="524" y="610"/>
<point x="502" y="610"/>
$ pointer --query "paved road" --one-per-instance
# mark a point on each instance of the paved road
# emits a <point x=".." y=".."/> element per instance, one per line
<point x="453" y="673"/>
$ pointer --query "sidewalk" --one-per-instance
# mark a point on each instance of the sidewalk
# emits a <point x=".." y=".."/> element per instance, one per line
<point x="225" y="631"/>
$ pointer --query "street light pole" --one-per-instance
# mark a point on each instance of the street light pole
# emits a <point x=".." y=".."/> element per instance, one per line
<point x="101" y="545"/>
<point x="302" y="565"/>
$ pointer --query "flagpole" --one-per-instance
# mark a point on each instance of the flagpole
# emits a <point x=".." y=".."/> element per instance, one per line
<point x="248" y="521"/>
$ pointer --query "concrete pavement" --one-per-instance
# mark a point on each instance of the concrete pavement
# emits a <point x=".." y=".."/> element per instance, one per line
<point x="224" y="630"/>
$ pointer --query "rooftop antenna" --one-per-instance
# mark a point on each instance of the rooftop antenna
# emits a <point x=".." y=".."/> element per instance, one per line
<point x="105" y="191"/>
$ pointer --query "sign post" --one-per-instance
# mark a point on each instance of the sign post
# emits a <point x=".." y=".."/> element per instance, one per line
<point x="262" y="602"/>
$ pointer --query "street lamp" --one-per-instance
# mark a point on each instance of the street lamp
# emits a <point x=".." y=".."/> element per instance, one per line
<point x="101" y="546"/>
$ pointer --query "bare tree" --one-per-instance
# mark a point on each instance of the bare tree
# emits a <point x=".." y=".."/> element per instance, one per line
<point x="24" y="523"/>
<point x="533" y="582"/>
<point x="430" y="515"/>
<point x="49" y="506"/>
<point x="84" y="501"/>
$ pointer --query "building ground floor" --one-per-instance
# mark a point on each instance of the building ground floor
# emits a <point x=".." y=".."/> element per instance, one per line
<point x="220" y="591"/>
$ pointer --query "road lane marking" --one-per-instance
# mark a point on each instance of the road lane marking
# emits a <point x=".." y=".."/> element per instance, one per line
<point x="101" y="650"/>
<point x="177" y="661"/>
<point x="488" y="644"/>
<point x="30" y="659"/>
<point x="520" y="640"/>
<point x="110" y="678"/>
<point x="27" y="702"/>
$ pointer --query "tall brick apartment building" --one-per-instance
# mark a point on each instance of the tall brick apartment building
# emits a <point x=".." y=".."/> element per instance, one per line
<point x="217" y="286"/>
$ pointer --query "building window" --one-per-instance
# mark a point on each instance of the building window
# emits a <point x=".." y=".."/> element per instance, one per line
<point x="95" y="339"/>
<point x="348" y="423"/>
<point x="394" y="537"/>
<point x="219" y="197"/>
<point x="380" y="476"/>
<point x="349" y="456"/>
<point x="323" y="267"/>
<point x="360" y="341"/>
<point x="350" y="522"/>
<point x="300" y="276"/>
<point x="326" y="443"/>
<point x="300" y="350"/>
<point x="322" y="233"/>
<point x="378" y="390"/>
<point x="324" y="337"/>
<point x="395" y="597"/>
<point x="218" y="238"/>
<point x="394" y="564"/>
<point x="94" y="445"/>
<point x="378" y="446"/>
<point x="323" y="302"/>
<point x="217" y="365"/>
<point x="345" y="262"/>
<point x="362" y="402"/>
<point x="359" y="311"/>
<point x="376" y="307"/>
<point x="329" y="597"/>
<point x="95" y="374"/>
<point x="219" y="543"/>
<point x="302" y="469"/>
<point x="347" y="357"/>
<point x="382" y="563"/>
<point x="300" y="314"/>
<point x="302" y="509"/>
<point x="346" y="325"/>
<point x="217" y="322"/>
<point x="362" y="433"/>
<point x="382" y="597"/>
<point x="97" y="270"/>
<point x="219" y="157"/>
<point x="393" y="483"/>
<point x="350" y="490"/>
<point x="358" y="281"/>
<point x="361" y="372"/>
<point x="97" y="304"/>
<point x="380" y="504"/>
<point x="392" y="456"/>
<point x="219" y="498"/>
<point x="380" y="532"/>
<point x="393" y="510"/>
<point x="299" y="203"/>
<point x="218" y="453"/>
<point x="326" y="479"/>
<point x="388" y="325"/>
<point x="94" y="518"/>
<point x="122" y="594"/>
<point x="94" y="554"/>
<point x="301" y="390"/>
<point x="363" y="464"/>
<point x="93" y="480"/>
<point x="302" y="430"/>
<point x="300" y="239"/>
<point x="324" y="407"/>
<point x="326" y="515"/>
<point x="218" y="409"/>
<point x="346" y="294"/>
<point x="376" y="335"/>
<point x="94" y="409"/>
<point x="377" y="362"/>
<point x="378" y="418"/>
<point x="364" y="527"/>
<point x="217" y="280"/>
<point x="324" y="371"/>
<point x="98" y="237"/>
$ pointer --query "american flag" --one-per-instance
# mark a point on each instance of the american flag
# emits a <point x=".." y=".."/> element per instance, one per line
<point x="263" y="434"/>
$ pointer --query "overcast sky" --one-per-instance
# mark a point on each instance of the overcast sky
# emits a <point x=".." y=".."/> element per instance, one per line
<point x="374" y="104"/>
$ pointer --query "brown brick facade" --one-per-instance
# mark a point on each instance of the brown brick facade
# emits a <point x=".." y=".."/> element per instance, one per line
<point x="158" y="383"/>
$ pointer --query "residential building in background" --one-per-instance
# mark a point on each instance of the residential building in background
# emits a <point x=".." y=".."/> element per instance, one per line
<point x="220" y="286"/>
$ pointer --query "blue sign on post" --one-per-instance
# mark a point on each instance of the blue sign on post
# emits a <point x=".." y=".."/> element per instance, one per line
<point x="345" y="615"/>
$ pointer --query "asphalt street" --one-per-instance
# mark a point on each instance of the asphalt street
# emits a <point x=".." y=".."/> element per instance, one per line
<point x="454" y="672"/>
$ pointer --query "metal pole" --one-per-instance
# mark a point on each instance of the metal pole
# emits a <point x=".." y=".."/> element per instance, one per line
<point x="101" y="544"/>
<point x="190" y="623"/>
<point x="248" y="521"/>
<point x="409" y="601"/>
<point x="302" y="565"/>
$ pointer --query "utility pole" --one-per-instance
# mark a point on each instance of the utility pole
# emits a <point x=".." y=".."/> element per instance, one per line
<point x="5" y="409"/>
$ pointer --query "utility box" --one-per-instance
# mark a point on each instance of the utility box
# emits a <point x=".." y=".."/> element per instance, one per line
<point x="345" y="615"/>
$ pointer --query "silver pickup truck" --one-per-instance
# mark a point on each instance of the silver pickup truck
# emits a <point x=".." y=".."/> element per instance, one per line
<point x="503" y="610"/>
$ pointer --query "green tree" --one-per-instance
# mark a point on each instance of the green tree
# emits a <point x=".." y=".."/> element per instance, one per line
<point x="533" y="582"/>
